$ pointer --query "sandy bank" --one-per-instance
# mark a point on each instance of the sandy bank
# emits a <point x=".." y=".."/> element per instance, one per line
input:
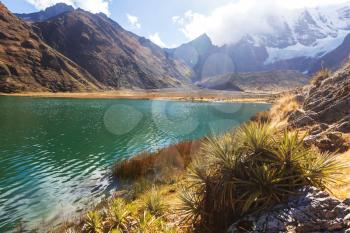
<point x="163" y="94"/>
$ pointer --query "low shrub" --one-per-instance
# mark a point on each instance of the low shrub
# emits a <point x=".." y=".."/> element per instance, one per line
<point x="140" y="186"/>
<point x="146" y="164"/>
<point x="250" y="170"/>
<point x="261" y="117"/>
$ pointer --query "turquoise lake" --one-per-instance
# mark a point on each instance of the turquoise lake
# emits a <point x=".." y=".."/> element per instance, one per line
<point x="56" y="154"/>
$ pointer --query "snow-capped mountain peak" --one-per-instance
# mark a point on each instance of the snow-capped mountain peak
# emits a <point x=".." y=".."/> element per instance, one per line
<point x="305" y="33"/>
<point x="297" y="39"/>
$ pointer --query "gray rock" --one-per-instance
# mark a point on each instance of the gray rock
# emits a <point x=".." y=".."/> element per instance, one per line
<point x="347" y="217"/>
<point x="312" y="211"/>
<point x="295" y="115"/>
<point x="299" y="99"/>
<point x="327" y="141"/>
<point x="346" y="201"/>
<point x="343" y="127"/>
<point x="324" y="126"/>
<point x="303" y="121"/>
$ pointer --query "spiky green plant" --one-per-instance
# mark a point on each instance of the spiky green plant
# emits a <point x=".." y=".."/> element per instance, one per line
<point x="93" y="222"/>
<point x="117" y="215"/>
<point x="154" y="203"/>
<point x="191" y="209"/>
<point x="148" y="223"/>
<point x="251" y="170"/>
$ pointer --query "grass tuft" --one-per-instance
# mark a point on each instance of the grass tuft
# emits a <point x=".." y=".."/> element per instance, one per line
<point x="282" y="109"/>
<point x="153" y="202"/>
<point x="321" y="75"/>
<point x="251" y="170"/>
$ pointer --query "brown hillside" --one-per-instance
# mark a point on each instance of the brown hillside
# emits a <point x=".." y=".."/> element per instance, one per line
<point x="28" y="64"/>
<point x="111" y="54"/>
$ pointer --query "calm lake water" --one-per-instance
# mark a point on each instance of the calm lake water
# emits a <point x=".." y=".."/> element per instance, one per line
<point x="56" y="154"/>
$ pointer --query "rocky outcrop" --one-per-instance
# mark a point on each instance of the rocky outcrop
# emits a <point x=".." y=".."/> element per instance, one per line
<point x="325" y="111"/>
<point x="312" y="211"/>
<point x="29" y="64"/>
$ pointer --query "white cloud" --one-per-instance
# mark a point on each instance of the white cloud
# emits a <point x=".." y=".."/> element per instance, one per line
<point x="229" y="22"/>
<point x="175" y="18"/>
<point x="134" y="21"/>
<point x="155" y="38"/>
<point x="295" y="4"/>
<point x="94" y="6"/>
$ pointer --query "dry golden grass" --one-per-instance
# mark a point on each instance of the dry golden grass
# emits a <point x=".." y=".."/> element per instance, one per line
<point x="146" y="164"/>
<point x="320" y="76"/>
<point x="346" y="137"/>
<point x="341" y="189"/>
<point x="279" y="112"/>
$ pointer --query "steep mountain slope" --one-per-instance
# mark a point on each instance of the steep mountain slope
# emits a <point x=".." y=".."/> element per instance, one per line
<point x="46" y="14"/>
<point x="267" y="81"/>
<point x="114" y="56"/>
<point x="28" y="64"/>
<point x="196" y="53"/>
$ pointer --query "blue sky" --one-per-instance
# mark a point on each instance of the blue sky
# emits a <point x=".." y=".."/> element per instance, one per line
<point x="170" y="23"/>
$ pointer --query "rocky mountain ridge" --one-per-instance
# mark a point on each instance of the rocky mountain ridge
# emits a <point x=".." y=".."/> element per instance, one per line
<point x="114" y="56"/>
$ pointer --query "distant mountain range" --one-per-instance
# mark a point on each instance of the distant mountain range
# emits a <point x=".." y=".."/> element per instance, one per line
<point x="92" y="52"/>
<point x="256" y="82"/>
<point x="304" y="40"/>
